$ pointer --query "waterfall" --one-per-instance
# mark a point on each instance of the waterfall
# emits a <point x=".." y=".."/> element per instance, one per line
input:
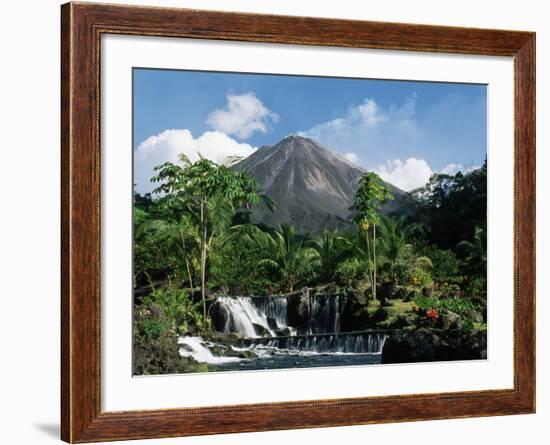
<point x="260" y="316"/>
<point x="263" y="326"/>
<point x="250" y="317"/>
<point x="282" y="332"/>
<point x="194" y="347"/>
<point x="350" y="343"/>
<point x="274" y="308"/>
<point x="324" y="314"/>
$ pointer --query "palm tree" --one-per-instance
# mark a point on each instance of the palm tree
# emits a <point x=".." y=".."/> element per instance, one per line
<point x="368" y="199"/>
<point x="476" y="250"/>
<point x="285" y="253"/>
<point x="395" y="250"/>
<point x="392" y="245"/>
<point x="357" y="245"/>
<point x="327" y="252"/>
<point x="204" y="187"/>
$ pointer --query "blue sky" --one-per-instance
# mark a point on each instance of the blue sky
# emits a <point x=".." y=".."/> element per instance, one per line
<point x="403" y="130"/>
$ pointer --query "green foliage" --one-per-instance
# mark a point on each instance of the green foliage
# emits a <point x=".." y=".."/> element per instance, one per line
<point x="446" y="265"/>
<point x="153" y="250"/>
<point x="195" y="184"/>
<point x="180" y="239"/>
<point x="368" y="199"/>
<point x="179" y="309"/>
<point x="399" y="261"/>
<point x="393" y="247"/>
<point x="153" y="329"/>
<point x="329" y="251"/>
<point x="287" y="255"/>
<point x="210" y="192"/>
<point x="198" y="233"/>
<point x="475" y="251"/>
<point x="234" y="265"/>
<point x="459" y="306"/>
<point x="421" y="277"/>
<point x="349" y="270"/>
<point x="449" y="208"/>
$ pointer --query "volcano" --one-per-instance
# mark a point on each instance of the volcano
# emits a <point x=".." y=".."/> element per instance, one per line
<point x="312" y="186"/>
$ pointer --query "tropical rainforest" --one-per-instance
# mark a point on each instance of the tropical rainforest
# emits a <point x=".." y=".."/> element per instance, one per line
<point x="419" y="268"/>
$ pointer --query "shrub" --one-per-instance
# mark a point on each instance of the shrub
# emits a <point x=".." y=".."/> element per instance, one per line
<point x="446" y="266"/>
<point x="349" y="270"/>
<point x="460" y="306"/>
<point x="153" y="328"/>
<point x="180" y="311"/>
<point x="421" y="277"/>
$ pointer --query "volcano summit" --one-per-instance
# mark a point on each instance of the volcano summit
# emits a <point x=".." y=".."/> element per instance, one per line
<point x="312" y="186"/>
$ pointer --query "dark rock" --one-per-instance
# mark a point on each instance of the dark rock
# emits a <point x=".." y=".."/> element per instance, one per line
<point x="220" y="317"/>
<point x="412" y="294"/>
<point x="272" y="323"/>
<point x="354" y="315"/>
<point x="245" y="354"/>
<point x="285" y="332"/>
<point x="356" y="296"/>
<point x="219" y="290"/>
<point x="450" y="320"/>
<point x="368" y="293"/>
<point x="426" y="345"/>
<point x="409" y="321"/>
<point x="419" y="346"/>
<point x="387" y="291"/>
<point x="400" y="292"/>
<point x="158" y="354"/>
<point x="298" y="308"/>
<point x="380" y="315"/>
<point x="155" y="311"/>
<point x="261" y="331"/>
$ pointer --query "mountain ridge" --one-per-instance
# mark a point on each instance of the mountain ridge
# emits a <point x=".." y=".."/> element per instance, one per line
<point x="312" y="186"/>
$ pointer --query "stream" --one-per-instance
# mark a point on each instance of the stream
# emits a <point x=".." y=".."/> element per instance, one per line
<point x="277" y="332"/>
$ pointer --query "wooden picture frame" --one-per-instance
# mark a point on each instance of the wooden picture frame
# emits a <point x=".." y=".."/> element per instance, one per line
<point x="82" y="26"/>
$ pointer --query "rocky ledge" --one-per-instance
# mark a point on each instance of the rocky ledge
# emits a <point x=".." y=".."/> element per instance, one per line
<point x="433" y="344"/>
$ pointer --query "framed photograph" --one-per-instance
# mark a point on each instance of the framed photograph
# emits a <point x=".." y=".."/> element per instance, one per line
<point x="275" y="222"/>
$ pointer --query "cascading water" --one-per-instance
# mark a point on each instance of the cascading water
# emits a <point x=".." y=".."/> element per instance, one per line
<point x="352" y="343"/>
<point x="275" y="308"/>
<point x="265" y="338"/>
<point x="324" y="314"/>
<point x="195" y="347"/>
<point x="250" y="317"/>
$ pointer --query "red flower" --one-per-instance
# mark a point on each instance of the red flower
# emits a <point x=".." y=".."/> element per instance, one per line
<point x="432" y="313"/>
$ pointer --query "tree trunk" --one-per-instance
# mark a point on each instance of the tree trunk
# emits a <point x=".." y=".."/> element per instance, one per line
<point x="374" y="256"/>
<point x="186" y="261"/>
<point x="369" y="264"/>
<point x="203" y="258"/>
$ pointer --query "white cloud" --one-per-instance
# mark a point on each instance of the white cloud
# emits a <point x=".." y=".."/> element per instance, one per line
<point x="352" y="157"/>
<point x="453" y="169"/>
<point x="366" y="115"/>
<point x="450" y="169"/>
<point x="243" y="115"/>
<point x="406" y="175"/>
<point x="166" y="146"/>
<point x="414" y="173"/>
<point x="367" y="126"/>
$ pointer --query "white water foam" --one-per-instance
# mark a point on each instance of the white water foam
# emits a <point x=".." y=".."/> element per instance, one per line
<point x="194" y="347"/>
<point x="244" y="315"/>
